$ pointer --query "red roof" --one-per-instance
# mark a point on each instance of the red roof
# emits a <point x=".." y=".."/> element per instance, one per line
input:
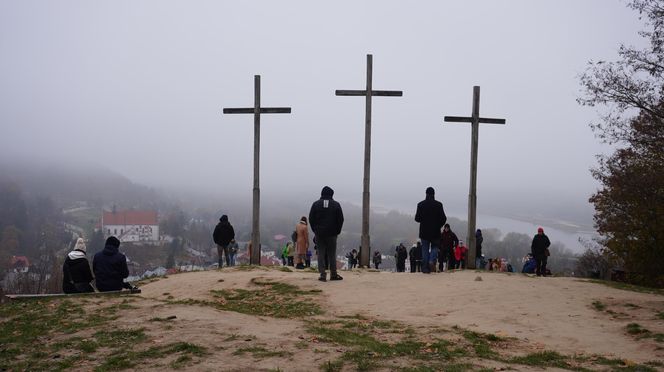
<point x="19" y="261"/>
<point x="130" y="217"/>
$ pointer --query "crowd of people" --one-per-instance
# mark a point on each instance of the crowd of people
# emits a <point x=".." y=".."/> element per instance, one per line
<point x="438" y="249"/>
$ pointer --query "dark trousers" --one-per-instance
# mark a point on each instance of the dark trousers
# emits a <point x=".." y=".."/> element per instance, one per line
<point x="540" y="266"/>
<point x="291" y="261"/>
<point x="451" y="263"/>
<point x="327" y="254"/>
<point x="376" y="265"/>
<point x="415" y="266"/>
<point x="442" y="258"/>
<point x="307" y="262"/>
<point x="222" y="251"/>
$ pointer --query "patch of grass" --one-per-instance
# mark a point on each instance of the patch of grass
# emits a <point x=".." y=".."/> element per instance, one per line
<point x="660" y="315"/>
<point x="245" y="267"/>
<point x="260" y="352"/>
<point x="598" y="305"/>
<point x="285" y="269"/>
<point x="480" y="342"/>
<point x="626" y="287"/>
<point x="332" y="366"/>
<point x="543" y="359"/>
<point x="276" y="299"/>
<point x="128" y="358"/>
<point x="120" y="337"/>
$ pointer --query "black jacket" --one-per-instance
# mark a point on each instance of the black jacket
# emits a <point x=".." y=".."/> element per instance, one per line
<point x="448" y="240"/>
<point x="110" y="268"/>
<point x="223" y="232"/>
<point x="478" y="245"/>
<point x="76" y="275"/>
<point x="540" y="244"/>
<point x="415" y="253"/>
<point x="326" y="217"/>
<point x="431" y="216"/>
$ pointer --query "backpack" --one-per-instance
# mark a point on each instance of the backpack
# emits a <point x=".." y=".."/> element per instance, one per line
<point x="294" y="236"/>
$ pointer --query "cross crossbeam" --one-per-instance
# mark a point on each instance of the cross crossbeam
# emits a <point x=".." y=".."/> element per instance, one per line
<point x="475" y="121"/>
<point x="368" y="93"/>
<point x="257" y="110"/>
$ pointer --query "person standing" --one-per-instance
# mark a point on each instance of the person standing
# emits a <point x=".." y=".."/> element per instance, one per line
<point x="401" y="256"/>
<point x="415" y="255"/>
<point x="431" y="216"/>
<point x="233" y="248"/>
<point x="222" y="236"/>
<point x="540" y="250"/>
<point x="291" y="254"/>
<point x="326" y="218"/>
<point x="76" y="274"/>
<point x="460" y="254"/>
<point x="302" y="243"/>
<point x="478" y="249"/>
<point x="377" y="259"/>
<point x="110" y="267"/>
<point x="448" y="241"/>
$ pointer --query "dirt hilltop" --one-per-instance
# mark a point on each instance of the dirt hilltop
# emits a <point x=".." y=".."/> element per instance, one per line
<point x="253" y="318"/>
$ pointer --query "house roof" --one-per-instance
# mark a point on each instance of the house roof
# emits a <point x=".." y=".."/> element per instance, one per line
<point x="19" y="261"/>
<point x="130" y="217"/>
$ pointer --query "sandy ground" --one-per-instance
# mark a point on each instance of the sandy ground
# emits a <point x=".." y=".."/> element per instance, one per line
<point x="546" y="313"/>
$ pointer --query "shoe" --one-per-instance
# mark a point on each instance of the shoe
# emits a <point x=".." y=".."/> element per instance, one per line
<point x="322" y="279"/>
<point x="336" y="277"/>
<point x="299" y="266"/>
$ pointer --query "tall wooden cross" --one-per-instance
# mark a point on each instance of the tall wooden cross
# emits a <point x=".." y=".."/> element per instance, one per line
<point x="257" y="110"/>
<point x="474" y="121"/>
<point x="368" y="93"/>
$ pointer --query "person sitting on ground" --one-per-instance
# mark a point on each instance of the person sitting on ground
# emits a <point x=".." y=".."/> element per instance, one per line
<point x="76" y="274"/>
<point x="110" y="267"/>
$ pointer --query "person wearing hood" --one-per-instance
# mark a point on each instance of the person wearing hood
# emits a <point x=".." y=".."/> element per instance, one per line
<point x="415" y="255"/>
<point x="222" y="235"/>
<point x="302" y="242"/>
<point x="448" y="241"/>
<point x="110" y="267"/>
<point x="326" y="219"/>
<point x="431" y="216"/>
<point x="478" y="248"/>
<point x="460" y="254"/>
<point x="540" y="251"/>
<point x="76" y="273"/>
<point x="377" y="259"/>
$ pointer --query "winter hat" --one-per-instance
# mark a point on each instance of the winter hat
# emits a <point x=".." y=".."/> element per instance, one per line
<point x="327" y="192"/>
<point x="540" y="230"/>
<point x="430" y="191"/>
<point x="113" y="241"/>
<point x="303" y="220"/>
<point x="223" y="218"/>
<point x="80" y="245"/>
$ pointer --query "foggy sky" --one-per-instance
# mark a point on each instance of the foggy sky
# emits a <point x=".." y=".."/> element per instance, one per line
<point x="138" y="86"/>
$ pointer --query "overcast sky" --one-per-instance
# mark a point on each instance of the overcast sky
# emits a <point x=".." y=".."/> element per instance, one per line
<point x="138" y="86"/>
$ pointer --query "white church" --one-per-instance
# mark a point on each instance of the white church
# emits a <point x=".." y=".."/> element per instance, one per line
<point x="131" y="225"/>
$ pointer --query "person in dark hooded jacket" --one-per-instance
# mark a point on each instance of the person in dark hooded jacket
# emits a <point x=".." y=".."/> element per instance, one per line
<point x="326" y="220"/>
<point x="448" y="241"/>
<point x="223" y="235"/>
<point x="540" y="249"/>
<point x="110" y="267"/>
<point x="431" y="216"/>
<point x="76" y="274"/>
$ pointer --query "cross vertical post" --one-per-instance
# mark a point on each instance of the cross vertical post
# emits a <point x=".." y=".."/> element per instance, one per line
<point x="367" y="93"/>
<point x="257" y="110"/>
<point x="474" y="121"/>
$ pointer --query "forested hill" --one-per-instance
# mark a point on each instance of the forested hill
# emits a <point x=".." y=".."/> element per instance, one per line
<point x="67" y="184"/>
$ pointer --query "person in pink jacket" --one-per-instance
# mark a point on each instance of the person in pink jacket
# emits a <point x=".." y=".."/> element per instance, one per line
<point x="302" y="243"/>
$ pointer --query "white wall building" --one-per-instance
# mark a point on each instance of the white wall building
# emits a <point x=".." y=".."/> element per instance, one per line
<point x="131" y="225"/>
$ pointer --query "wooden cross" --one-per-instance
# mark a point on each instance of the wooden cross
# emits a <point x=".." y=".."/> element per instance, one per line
<point x="368" y="93"/>
<point x="257" y="110"/>
<point x="474" y="121"/>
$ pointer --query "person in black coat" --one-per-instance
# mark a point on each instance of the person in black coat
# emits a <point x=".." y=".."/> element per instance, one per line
<point x="415" y="255"/>
<point x="540" y="251"/>
<point x="326" y="220"/>
<point x="110" y="267"/>
<point x="479" y="239"/>
<point x="223" y="235"/>
<point x="76" y="273"/>
<point x="431" y="216"/>
<point x="448" y="241"/>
